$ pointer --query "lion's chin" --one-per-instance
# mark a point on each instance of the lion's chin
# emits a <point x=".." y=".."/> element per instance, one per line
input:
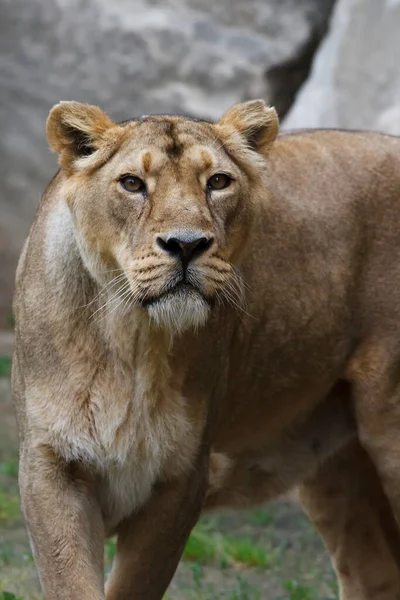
<point x="180" y="310"/>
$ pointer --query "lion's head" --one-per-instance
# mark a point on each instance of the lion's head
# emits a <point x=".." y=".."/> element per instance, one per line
<point x="164" y="202"/>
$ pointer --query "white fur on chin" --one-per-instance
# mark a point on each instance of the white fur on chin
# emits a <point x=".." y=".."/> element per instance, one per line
<point x="179" y="311"/>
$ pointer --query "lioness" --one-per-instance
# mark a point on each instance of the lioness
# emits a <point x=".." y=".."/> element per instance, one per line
<point x="206" y="315"/>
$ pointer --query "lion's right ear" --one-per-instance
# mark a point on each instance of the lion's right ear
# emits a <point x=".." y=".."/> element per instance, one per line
<point x="77" y="131"/>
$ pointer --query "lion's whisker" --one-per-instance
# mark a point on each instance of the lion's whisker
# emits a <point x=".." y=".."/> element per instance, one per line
<point x="121" y="298"/>
<point x="234" y="302"/>
<point x="110" y="271"/>
<point x="113" y="297"/>
<point x="243" y="282"/>
<point x="102" y="291"/>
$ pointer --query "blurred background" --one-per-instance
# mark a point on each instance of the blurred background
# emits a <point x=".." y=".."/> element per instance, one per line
<point x="321" y="63"/>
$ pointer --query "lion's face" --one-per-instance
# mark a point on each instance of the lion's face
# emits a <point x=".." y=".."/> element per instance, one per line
<point x="163" y="206"/>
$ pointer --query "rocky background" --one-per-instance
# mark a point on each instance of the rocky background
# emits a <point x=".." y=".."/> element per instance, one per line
<point x="321" y="63"/>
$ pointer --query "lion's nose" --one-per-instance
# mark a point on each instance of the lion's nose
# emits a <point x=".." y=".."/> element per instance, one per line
<point x="185" y="245"/>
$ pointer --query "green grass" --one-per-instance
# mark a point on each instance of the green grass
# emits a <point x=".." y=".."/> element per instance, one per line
<point x="261" y="516"/>
<point x="9" y="508"/>
<point x="298" y="591"/>
<point x="9" y="468"/>
<point x="246" y="551"/>
<point x="9" y="499"/>
<point x="10" y="321"/>
<point x="205" y="546"/>
<point x="5" y="368"/>
<point x="6" y="554"/>
<point x="9" y="596"/>
<point x="243" y="590"/>
<point x="201" y="590"/>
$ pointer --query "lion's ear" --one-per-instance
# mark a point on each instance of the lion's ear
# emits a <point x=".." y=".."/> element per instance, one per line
<point x="76" y="130"/>
<point x="257" y="123"/>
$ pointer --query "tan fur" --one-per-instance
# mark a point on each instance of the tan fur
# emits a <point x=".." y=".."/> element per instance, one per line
<point x="147" y="390"/>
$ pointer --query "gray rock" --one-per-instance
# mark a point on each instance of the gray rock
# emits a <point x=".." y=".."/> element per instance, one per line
<point x="131" y="57"/>
<point x="355" y="80"/>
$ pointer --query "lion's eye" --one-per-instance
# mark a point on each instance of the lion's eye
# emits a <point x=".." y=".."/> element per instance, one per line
<point x="132" y="184"/>
<point x="219" y="181"/>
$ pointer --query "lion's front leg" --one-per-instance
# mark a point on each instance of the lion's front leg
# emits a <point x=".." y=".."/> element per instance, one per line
<point x="150" y="542"/>
<point x="65" y="526"/>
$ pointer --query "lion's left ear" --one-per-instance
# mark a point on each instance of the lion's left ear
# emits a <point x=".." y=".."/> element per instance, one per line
<point x="257" y="123"/>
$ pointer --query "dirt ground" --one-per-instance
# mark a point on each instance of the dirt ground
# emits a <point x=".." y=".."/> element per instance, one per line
<point x="271" y="553"/>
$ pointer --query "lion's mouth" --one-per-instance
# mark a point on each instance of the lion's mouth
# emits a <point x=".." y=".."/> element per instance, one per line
<point x="181" y="306"/>
<point x="182" y="288"/>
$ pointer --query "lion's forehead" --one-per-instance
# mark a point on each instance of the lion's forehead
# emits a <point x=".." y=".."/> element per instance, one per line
<point x="151" y="146"/>
<point x="166" y="132"/>
<point x="171" y="135"/>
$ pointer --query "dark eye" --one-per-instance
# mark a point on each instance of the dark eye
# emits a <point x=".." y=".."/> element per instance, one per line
<point x="219" y="181"/>
<point x="132" y="184"/>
